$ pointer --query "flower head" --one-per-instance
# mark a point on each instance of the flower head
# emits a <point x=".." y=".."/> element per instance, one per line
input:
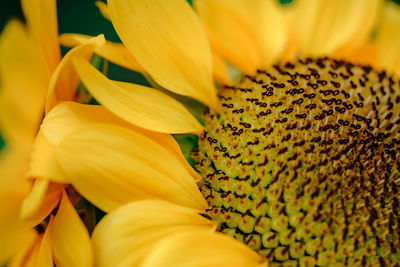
<point x="297" y="156"/>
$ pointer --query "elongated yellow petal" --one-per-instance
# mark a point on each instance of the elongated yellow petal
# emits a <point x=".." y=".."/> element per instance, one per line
<point x="35" y="198"/>
<point x="103" y="9"/>
<point x="69" y="116"/>
<point x="172" y="48"/>
<point x="41" y="18"/>
<point x="45" y="253"/>
<point x="206" y="249"/>
<point x="71" y="241"/>
<point x="111" y="166"/>
<point x="114" y="52"/>
<point x="325" y="26"/>
<point x="43" y="162"/>
<point x="249" y="34"/>
<point x="388" y="39"/>
<point x="64" y="81"/>
<point x="129" y="233"/>
<point x="142" y="106"/>
<point x="21" y="99"/>
<point x="43" y="198"/>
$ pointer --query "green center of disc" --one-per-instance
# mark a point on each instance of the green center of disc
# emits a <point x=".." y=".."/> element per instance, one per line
<point x="302" y="163"/>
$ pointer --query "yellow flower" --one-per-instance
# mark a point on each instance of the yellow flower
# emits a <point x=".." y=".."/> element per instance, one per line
<point x="299" y="175"/>
<point x="34" y="79"/>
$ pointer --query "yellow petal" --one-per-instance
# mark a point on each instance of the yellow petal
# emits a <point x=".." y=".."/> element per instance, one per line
<point x="71" y="241"/>
<point x="27" y="244"/>
<point x="43" y="198"/>
<point x="142" y="106"/>
<point x="229" y="35"/>
<point x="114" y="52"/>
<point x="103" y="9"/>
<point x="67" y="117"/>
<point x="35" y="198"/>
<point x="126" y="235"/>
<point x="43" y="162"/>
<point x="388" y="39"/>
<point x="64" y="81"/>
<point x="111" y="166"/>
<point x="13" y="232"/>
<point x="41" y="18"/>
<point x="13" y="167"/>
<point x="249" y="34"/>
<point x="172" y="48"/>
<point x="21" y="99"/>
<point x="325" y="26"/>
<point x="45" y="253"/>
<point x="221" y="73"/>
<point x="202" y="249"/>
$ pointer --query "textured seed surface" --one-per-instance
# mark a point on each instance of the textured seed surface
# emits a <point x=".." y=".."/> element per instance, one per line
<point x="302" y="163"/>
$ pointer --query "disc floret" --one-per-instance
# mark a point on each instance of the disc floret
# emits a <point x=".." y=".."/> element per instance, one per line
<point x="302" y="163"/>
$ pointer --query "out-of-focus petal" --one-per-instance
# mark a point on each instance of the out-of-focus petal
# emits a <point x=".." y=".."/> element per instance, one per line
<point x="23" y="86"/>
<point x="388" y="39"/>
<point x="206" y="249"/>
<point x="41" y="16"/>
<point x="103" y="9"/>
<point x="168" y="41"/>
<point x="35" y="198"/>
<point x="221" y="73"/>
<point x="326" y="26"/>
<point x="114" y="52"/>
<point x="71" y="241"/>
<point x="249" y="34"/>
<point x="111" y="166"/>
<point x="137" y="227"/>
<point x="43" y="163"/>
<point x="229" y="34"/>
<point x="43" y="198"/>
<point x="27" y="245"/>
<point x="65" y="80"/>
<point x="45" y="254"/>
<point x="13" y="232"/>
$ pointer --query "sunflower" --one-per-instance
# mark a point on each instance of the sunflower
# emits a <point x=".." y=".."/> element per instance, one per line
<point x="34" y="79"/>
<point x="297" y="157"/>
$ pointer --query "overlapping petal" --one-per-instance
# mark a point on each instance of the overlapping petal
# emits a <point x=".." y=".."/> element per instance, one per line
<point x="44" y="256"/>
<point x="323" y="27"/>
<point x="42" y="199"/>
<point x="249" y="34"/>
<point x="111" y="166"/>
<point x="64" y="80"/>
<point x="142" y="106"/>
<point x="69" y="116"/>
<point x="114" y="52"/>
<point x="126" y="235"/>
<point x="172" y="48"/>
<point x="71" y="241"/>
